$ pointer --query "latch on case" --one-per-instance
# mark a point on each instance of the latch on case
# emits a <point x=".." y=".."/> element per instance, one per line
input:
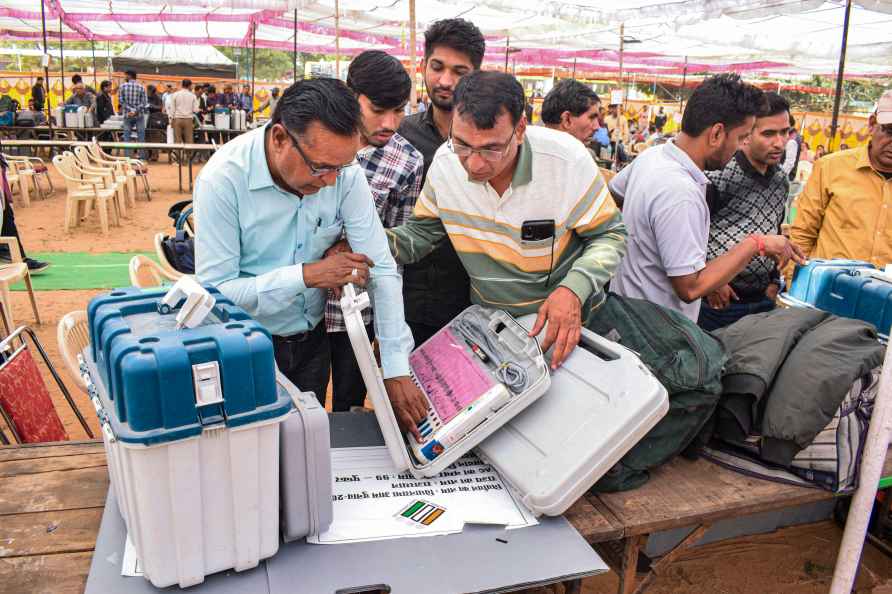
<point x="208" y="393"/>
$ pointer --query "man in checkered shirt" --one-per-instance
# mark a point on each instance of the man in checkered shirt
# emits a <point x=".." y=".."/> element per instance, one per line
<point x="393" y="168"/>
<point x="751" y="197"/>
<point x="133" y="103"/>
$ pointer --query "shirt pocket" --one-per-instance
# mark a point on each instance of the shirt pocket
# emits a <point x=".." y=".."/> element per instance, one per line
<point x="324" y="237"/>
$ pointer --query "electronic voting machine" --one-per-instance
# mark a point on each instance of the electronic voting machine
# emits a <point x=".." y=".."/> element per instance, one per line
<point x="477" y="373"/>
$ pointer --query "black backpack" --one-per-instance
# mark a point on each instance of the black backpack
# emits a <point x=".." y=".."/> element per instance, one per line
<point x="179" y="250"/>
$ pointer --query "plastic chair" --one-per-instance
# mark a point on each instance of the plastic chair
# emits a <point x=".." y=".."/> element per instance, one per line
<point x="36" y="169"/>
<point x="146" y="273"/>
<point x="12" y="273"/>
<point x="73" y="336"/>
<point x="166" y="267"/>
<point x="137" y="167"/>
<point x="83" y="191"/>
<point x="109" y="173"/>
<point x="114" y="170"/>
<point x="25" y="403"/>
<point x="20" y="176"/>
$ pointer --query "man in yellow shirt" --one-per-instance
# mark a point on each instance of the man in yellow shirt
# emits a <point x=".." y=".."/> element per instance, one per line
<point x="845" y="210"/>
<point x="617" y="125"/>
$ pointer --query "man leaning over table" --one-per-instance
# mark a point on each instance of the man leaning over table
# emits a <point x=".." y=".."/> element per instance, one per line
<point x="269" y="204"/>
<point x="496" y="176"/>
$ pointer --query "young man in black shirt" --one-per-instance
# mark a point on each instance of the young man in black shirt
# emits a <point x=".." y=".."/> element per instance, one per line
<point x="751" y="195"/>
<point x="104" y="106"/>
<point x="38" y="93"/>
<point x="437" y="288"/>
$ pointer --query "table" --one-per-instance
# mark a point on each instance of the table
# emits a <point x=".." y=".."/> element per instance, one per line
<point x="695" y="494"/>
<point x="192" y="149"/>
<point x="34" y="132"/>
<point x="51" y="502"/>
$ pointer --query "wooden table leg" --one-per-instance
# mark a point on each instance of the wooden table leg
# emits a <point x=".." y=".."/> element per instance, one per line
<point x="628" y="570"/>
<point x="666" y="560"/>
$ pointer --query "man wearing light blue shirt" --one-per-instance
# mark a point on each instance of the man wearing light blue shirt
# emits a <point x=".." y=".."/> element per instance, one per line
<point x="270" y="203"/>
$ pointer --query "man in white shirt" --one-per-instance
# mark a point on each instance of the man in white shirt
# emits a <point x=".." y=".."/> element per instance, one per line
<point x="665" y="205"/>
<point x="183" y="105"/>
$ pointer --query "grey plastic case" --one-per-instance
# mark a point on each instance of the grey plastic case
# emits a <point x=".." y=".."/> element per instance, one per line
<point x="352" y="306"/>
<point x="601" y="402"/>
<point x="305" y="471"/>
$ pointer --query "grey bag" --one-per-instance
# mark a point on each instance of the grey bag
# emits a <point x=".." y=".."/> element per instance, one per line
<point x="305" y="466"/>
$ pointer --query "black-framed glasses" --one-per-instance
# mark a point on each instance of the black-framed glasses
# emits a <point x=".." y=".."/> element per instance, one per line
<point x="315" y="171"/>
<point x="463" y="151"/>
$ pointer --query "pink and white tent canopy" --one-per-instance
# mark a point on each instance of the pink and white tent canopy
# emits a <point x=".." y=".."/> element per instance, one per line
<point x="765" y="37"/>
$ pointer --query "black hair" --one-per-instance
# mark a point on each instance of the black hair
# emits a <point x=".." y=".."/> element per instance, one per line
<point x="211" y="89"/>
<point x="187" y="83"/>
<point x="380" y="77"/>
<point x="275" y="90"/>
<point x="130" y="74"/>
<point x="325" y="100"/>
<point x="104" y="84"/>
<point x="720" y="99"/>
<point x="792" y="121"/>
<point x="76" y="79"/>
<point x="568" y="95"/>
<point x="773" y="105"/>
<point x="456" y="34"/>
<point x="484" y="94"/>
<point x="652" y="128"/>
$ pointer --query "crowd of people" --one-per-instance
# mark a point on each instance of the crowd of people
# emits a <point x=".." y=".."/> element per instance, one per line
<point x="466" y="202"/>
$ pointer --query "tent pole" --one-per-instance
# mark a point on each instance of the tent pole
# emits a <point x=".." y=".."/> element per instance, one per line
<point x="253" y="56"/>
<point x="108" y="60"/>
<point x="839" y="76"/>
<point x="294" y="53"/>
<point x="684" y="77"/>
<point x="93" y="49"/>
<point x="337" y="39"/>
<point x="61" y="58"/>
<point x="622" y="47"/>
<point x="574" y="67"/>
<point x="46" y="69"/>
<point x="507" y="44"/>
<point x="413" y="59"/>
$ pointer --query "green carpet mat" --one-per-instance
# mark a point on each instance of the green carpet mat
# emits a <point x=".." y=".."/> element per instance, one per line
<point x="80" y="270"/>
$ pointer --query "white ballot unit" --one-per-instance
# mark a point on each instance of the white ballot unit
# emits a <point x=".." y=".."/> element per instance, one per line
<point x="551" y="441"/>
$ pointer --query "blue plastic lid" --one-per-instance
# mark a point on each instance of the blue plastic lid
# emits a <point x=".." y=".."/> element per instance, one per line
<point x="146" y="365"/>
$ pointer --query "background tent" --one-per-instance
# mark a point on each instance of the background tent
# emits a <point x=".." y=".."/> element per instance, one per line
<point x="175" y="60"/>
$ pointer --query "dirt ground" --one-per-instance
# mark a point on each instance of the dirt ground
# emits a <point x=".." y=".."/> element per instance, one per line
<point x="796" y="560"/>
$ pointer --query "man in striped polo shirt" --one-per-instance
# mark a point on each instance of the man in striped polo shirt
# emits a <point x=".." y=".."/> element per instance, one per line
<point x="525" y="208"/>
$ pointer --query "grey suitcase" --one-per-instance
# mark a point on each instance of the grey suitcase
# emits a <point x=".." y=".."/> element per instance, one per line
<point x="602" y="401"/>
<point x="305" y="471"/>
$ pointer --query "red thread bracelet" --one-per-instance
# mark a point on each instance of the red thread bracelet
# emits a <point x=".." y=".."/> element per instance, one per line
<point x="760" y="243"/>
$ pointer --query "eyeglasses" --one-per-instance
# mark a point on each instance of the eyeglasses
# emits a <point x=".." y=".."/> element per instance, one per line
<point x="887" y="129"/>
<point x="316" y="171"/>
<point x="462" y="151"/>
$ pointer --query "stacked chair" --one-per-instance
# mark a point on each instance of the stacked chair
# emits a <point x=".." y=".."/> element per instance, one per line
<point x="134" y="168"/>
<point x="90" y="186"/>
